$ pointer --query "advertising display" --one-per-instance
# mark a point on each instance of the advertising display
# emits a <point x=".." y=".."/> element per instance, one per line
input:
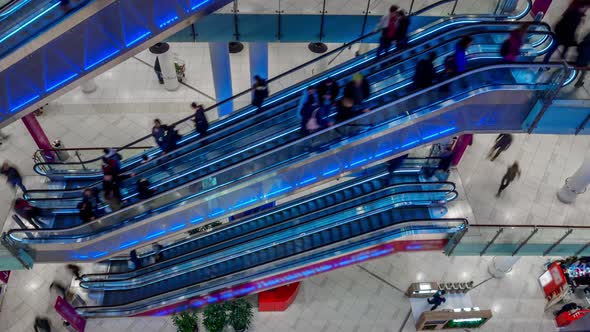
<point x="69" y="314"/>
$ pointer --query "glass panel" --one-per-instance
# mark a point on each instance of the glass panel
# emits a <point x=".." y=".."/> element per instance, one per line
<point x="258" y="7"/>
<point x="542" y="240"/>
<point x="475" y="240"/>
<point x="579" y="238"/>
<point x="351" y="7"/>
<point x="508" y="241"/>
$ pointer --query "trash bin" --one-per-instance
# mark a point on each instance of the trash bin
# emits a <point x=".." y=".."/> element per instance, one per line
<point x="62" y="155"/>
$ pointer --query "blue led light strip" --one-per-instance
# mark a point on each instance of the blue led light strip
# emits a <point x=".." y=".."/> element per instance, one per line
<point x="62" y="82"/>
<point x="24" y="25"/>
<point x="103" y="59"/>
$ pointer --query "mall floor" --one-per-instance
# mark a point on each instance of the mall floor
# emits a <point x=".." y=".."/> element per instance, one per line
<point x="365" y="298"/>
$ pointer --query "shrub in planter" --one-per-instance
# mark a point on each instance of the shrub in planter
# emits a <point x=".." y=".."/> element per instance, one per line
<point x="240" y="314"/>
<point x="186" y="321"/>
<point x="215" y="317"/>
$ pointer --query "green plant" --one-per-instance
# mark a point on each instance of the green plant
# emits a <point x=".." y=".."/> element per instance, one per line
<point x="186" y="321"/>
<point x="215" y="317"/>
<point x="240" y="314"/>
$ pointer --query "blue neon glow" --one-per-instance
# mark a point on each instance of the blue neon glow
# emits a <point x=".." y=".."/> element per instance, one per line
<point x="168" y="22"/>
<point x="430" y="136"/>
<point x="128" y="244"/>
<point x="178" y="227"/>
<point x="103" y="59"/>
<point x="214" y="214"/>
<point x="151" y="236"/>
<point x="331" y="172"/>
<point x="446" y="130"/>
<point x="199" y="5"/>
<point x="196" y="220"/>
<point x="308" y="180"/>
<point x="24" y="25"/>
<point x="62" y="82"/>
<point x="384" y="153"/>
<point x="411" y="143"/>
<point x="278" y="191"/>
<point x="100" y="254"/>
<point x="14" y="8"/>
<point x="246" y="202"/>
<point x="358" y="162"/>
<point x="139" y="38"/>
<point x="25" y="103"/>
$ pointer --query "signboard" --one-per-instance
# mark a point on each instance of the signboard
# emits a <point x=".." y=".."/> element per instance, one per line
<point x="552" y="280"/>
<point x="69" y="314"/>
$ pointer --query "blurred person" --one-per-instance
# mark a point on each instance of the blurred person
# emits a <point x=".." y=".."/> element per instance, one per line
<point x="157" y="249"/>
<point x="75" y="270"/>
<point x="135" y="262"/>
<point x="201" y="122"/>
<point x="511" y="174"/>
<point x="437" y="299"/>
<point x="159" y="133"/>
<point x="42" y="324"/>
<point x="357" y="90"/>
<point x="86" y="212"/>
<point x="143" y="189"/>
<point x="583" y="59"/>
<point x="172" y="137"/>
<point x="25" y="210"/>
<point x="13" y="176"/>
<point x="329" y="87"/>
<point x="92" y="197"/>
<point x="111" y="192"/>
<point x="311" y="117"/>
<point x="259" y="93"/>
<point x="387" y="25"/>
<point x="401" y="32"/>
<point x="460" y="56"/>
<point x="565" y="29"/>
<point x="510" y="48"/>
<point x="502" y="143"/>
<point x="306" y="95"/>
<point x="145" y="159"/>
<point x="425" y="73"/>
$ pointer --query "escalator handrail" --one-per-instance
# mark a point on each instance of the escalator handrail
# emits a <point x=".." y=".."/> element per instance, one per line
<point x="345" y="45"/>
<point x="265" y="242"/>
<point x="392" y="187"/>
<point x="414" y="94"/>
<point x="203" y="286"/>
<point x="546" y="31"/>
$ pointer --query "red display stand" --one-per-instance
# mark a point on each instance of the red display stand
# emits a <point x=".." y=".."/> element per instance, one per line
<point x="568" y="317"/>
<point x="278" y="299"/>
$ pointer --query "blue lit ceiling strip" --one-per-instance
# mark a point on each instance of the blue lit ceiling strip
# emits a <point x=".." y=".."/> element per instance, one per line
<point x="31" y="21"/>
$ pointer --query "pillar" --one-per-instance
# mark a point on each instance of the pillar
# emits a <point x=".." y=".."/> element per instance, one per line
<point x="502" y="265"/>
<point x="89" y="86"/>
<point x="38" y="135"/>
<point x="219" y="53"/>
<point x="576" y="184"/>
<point x="259" y="59"/>
<point x="167" y="67"/>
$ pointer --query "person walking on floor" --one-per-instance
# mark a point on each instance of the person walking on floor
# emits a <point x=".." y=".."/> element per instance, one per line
<point x="503" y="142"/>
<point x="565" y="29"/>
<point x="259" y="93"/>
<point x="583" y="59"/>
<point x="13" y="176"/>
<point x="387" y="25"/>
<point x="511" y="174"/>
<point x="437" y="299"/>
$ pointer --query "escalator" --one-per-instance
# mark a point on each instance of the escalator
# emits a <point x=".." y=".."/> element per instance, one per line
<point x="89" y="167"/>
<point x="330" y="148"/>
<point x="46" y="47"/>
<point x="321" y="231"/>
<point x="409" y="177"/>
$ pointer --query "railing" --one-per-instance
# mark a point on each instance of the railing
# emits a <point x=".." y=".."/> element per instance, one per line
<point x="521" y="240"/>
<point x="385" y="136"/>
<point x="242" y="99"/>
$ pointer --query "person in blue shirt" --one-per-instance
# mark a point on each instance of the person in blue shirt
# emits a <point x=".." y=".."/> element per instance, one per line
<point x="461" y="54"/>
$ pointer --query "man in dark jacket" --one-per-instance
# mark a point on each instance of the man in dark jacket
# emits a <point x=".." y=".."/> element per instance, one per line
<point x="329" y="87"/>
<point x="401" y="33"/>
<point x="13" y="177"/>
<point x="565" y="29"/>
<point x="503" y="142"/>
<point x="259" y="93"/>
<point x="201" y="123"/>
<point x="357" y="90"/>
<point x="425" y="73"/>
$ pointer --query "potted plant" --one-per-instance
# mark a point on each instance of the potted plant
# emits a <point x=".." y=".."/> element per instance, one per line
<point x="240" y="314"/>
<point x="186" y="321"/>
<point x="215" y="317"/>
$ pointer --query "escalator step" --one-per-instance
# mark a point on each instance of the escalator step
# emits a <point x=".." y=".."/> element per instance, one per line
<point x="355" y="228"/>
